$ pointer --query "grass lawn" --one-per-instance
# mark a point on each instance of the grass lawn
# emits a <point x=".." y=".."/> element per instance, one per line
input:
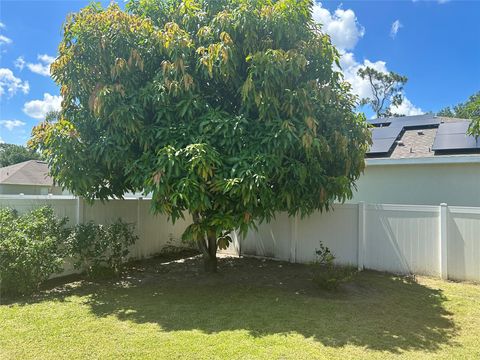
<point x="252" y="309"/>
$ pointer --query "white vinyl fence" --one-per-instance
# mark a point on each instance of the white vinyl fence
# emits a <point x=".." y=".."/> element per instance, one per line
<point x="442" y="241"/>
<point x="154" y="232"/>
<point x="439" y="240"/>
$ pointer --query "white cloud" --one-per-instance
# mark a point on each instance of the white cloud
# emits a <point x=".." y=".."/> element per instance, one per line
<point x="37" y="109"/>
<point x="361" y="87"/>
<point x="407" y="108"/>
<point x="350" y="66"/>
<point x="5" y="40"/>
<point x="19" y="63"/>
<point x="42" y="67"/>
<point x="46" y="58"/>
<point x="11" y="124"/>
<point x="1" y="141"/>
<point x="342" y="26"/>
<point x="396" y="25"/>
<point x="10" y="84"/>
<point x="345" y="31"/>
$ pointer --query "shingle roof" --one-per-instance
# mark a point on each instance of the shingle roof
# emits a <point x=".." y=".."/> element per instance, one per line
<point x="415" y="141"/>
<point x="32" y="172"/>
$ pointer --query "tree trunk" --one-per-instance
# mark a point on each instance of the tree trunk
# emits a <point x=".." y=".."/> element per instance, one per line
<point x="210" y="257"/>
<point x="208" y="248"/>
<point x="210" y="264"/>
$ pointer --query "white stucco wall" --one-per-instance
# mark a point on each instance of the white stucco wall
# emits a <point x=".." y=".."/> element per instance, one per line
<point x="454" y="180"/>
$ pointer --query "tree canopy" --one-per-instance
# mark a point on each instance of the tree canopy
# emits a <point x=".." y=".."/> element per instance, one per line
<point x="227" y="111"/>
<point x="13" y="154"/>
<point x="470" y="109"/>
<point x="387" y="91"/>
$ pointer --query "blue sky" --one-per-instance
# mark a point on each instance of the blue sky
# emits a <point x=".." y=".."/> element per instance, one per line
<point x="436" y="45"/>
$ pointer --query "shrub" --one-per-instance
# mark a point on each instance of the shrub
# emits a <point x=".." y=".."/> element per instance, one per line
<point x="330" y="278"/>
<point x="100" y="249"/>
<point x="324" y="256"/>
<point x="31" y="248"/>
<point x="327" y="275"/>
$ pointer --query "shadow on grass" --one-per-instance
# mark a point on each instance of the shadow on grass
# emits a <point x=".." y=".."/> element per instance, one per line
<point x="377" y="311"/>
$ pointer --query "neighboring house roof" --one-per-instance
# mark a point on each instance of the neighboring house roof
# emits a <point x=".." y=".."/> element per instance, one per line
<point x="32" y="172"/>
<point x="415" y="137"/>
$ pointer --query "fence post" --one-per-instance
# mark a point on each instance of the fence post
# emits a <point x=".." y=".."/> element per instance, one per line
<point x="361" y="235"/>
<point x="293" y="238"/>
<point x="236" y="243"/>
<point x="443" y="241"/>
<point x="79" y="211"/>
<point x="139" y="253"/>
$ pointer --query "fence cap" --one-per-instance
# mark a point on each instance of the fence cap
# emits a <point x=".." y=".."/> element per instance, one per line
<point x="443" y="204"/>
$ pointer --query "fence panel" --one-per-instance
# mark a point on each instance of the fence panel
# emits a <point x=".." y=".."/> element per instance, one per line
<point x="336" y="229"/>
<point x="271" y="239"/>
<point x="398" y="238"/>
<point x="403" y="239"/>
<point x="296" y="240"/>
<point x="157" y="231"/>
<point x="463" y="243"/>
<point x="62" y="205"/>
<point x="154" y="231"/>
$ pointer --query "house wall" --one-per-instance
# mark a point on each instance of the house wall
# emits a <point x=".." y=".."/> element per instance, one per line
<point x="420" y="183"/>
<point x="13" y="189"/>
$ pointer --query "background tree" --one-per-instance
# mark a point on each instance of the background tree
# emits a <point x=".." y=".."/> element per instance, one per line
<point x="227" y="112"/>
<point x="13" y="154"/>
<point x="52" y="116"/>
<point x="470" y="109"/>
<point x="387" y="91"/>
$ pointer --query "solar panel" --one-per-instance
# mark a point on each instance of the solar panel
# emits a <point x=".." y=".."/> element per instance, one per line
<point x="454" y="142"/>
<point x="379" y="122"/>
<point x="460" y="127"/>
<point x="383" y="139"/>
<point x="415" y="121"/>
<point x="381" y="146"/>
<point x="450" y="136"/>
<point x="419" y="121"/>
<point x="386" y="132"/>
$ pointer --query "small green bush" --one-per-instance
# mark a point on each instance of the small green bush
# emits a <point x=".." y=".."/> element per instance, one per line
<point x="101" y="249"/>
<point x="31" y="248"/>
<point x="324" y="256"/>
<point x="330" y="278"/>
<point x="327" y="275"/>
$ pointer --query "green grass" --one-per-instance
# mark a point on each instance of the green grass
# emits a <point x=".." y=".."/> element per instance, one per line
<point x="252" y="309"/>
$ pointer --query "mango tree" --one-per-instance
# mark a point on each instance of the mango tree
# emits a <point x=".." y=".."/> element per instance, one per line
<point x="226" y="111"/>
